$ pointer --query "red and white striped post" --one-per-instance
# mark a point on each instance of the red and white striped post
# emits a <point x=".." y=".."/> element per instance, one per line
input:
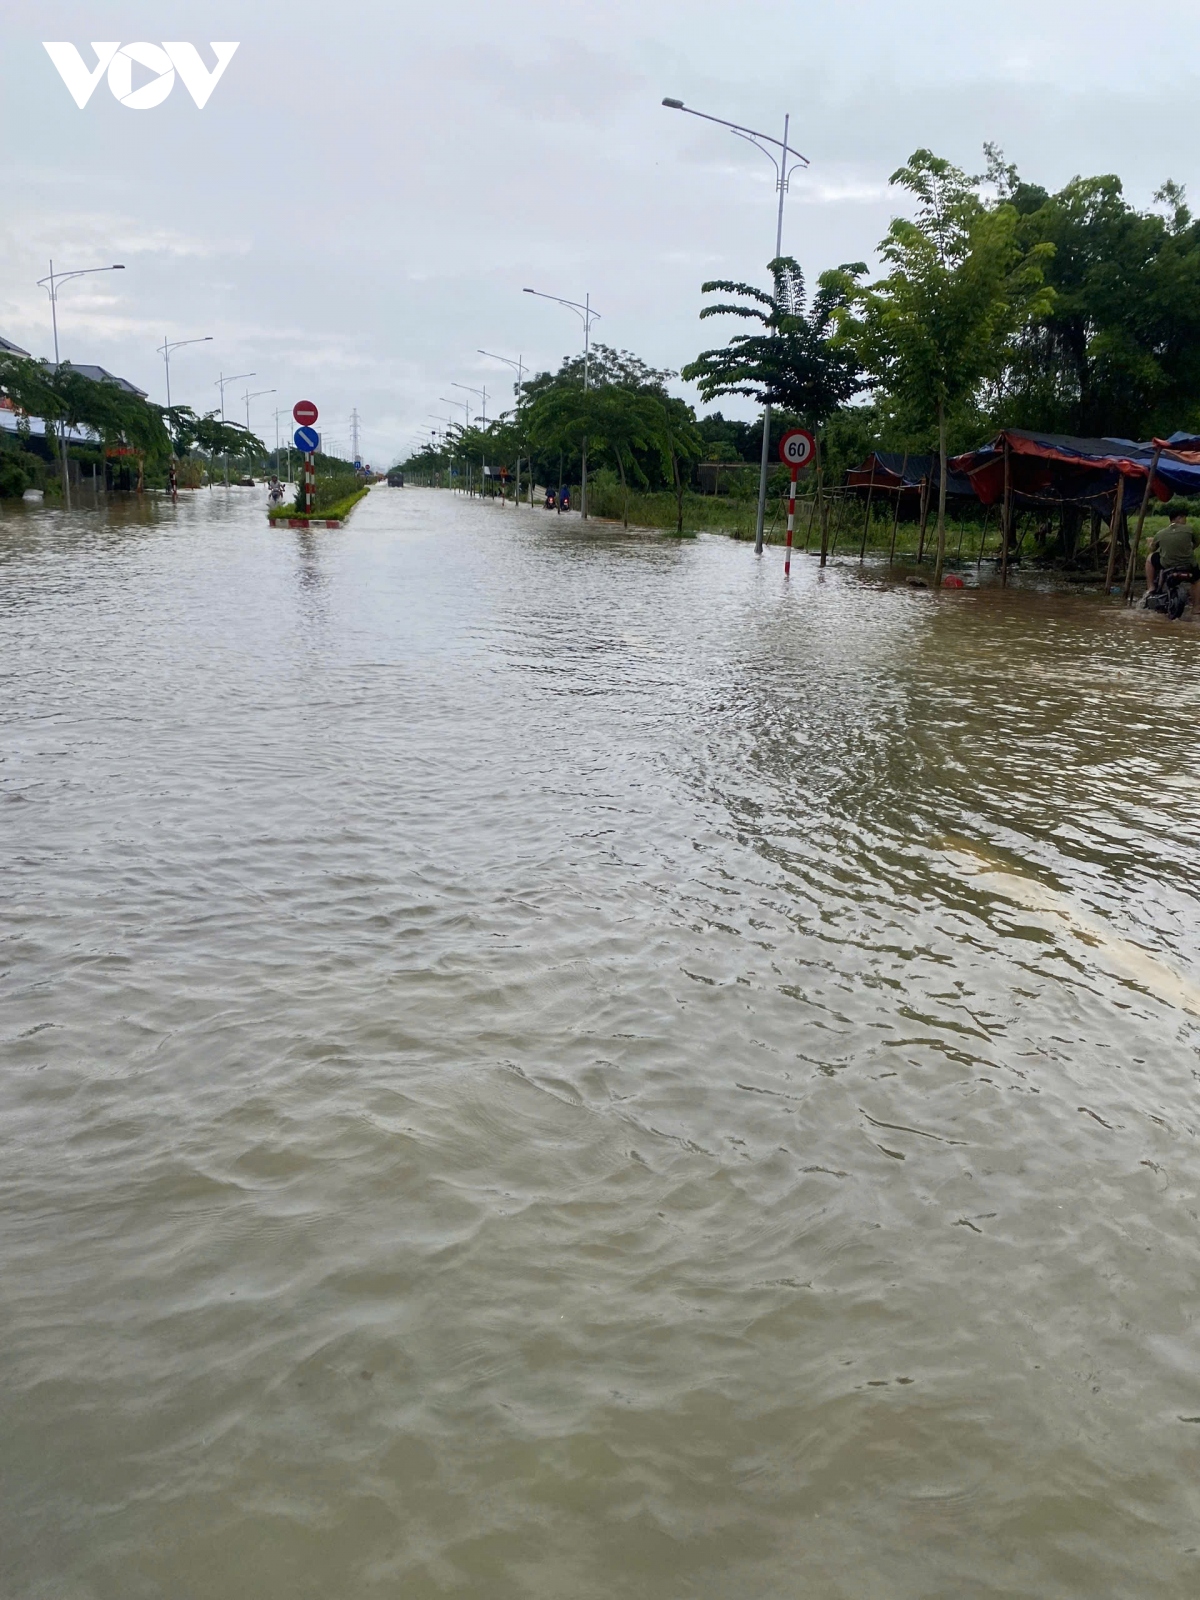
<point x="796" y="450"/>
<point x="306" y="414"/>
<point x="787" y="560"/>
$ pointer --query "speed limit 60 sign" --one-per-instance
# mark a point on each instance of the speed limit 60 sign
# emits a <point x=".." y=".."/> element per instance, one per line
<point x="797" y="447"/>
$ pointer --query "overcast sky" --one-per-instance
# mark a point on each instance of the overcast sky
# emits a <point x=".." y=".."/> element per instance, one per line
<point x="371" y="185"/>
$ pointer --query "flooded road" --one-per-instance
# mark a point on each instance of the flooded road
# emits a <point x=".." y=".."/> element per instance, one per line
<point x="542" y="1064"/>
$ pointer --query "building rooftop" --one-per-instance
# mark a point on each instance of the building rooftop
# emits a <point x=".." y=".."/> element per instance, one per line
<point x="7" y="346"/>
<point x="103" y="375"/>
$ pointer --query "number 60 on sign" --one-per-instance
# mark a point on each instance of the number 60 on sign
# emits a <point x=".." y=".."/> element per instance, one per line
<point x="797" y="447"/>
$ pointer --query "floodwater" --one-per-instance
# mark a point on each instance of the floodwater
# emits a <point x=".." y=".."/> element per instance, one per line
<point x="541" y="1064"/>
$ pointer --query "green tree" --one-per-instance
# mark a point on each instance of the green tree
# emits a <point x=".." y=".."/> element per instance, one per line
<point x="1118" y="352"/>
<point x="66" y="401"/>
<point x="682" y="444"/>
<point x="795" y="363"/>
<point x="962" y="283"/>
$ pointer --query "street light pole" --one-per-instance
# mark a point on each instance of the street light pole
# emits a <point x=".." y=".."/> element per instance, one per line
<point x="165" y="348"/>
<point x="466" y="405"/>
<point x="482" y="393"/>
<point x="518" y="367"/>
<point x="55" y="279"/>
<point x="783" y="173"/>
<point x="247" y="397"/>
<point x="282" y="412"/>
<point x="220" y="384"/>
<point x="466" y="387"/>
<point x="449" y="438"/>
<point x="587" y="314"/>
<point x="51" y="285"/>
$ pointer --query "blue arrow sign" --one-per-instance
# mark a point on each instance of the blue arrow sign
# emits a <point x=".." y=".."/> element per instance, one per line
<point x="306" y="439"/>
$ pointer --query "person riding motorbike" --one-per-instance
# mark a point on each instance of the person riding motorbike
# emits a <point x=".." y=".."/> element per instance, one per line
<point x="1173" y="550"/>
<point x="276" y="491"/>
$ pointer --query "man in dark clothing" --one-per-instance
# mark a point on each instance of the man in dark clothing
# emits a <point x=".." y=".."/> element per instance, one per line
<point x="1173" y="549"/>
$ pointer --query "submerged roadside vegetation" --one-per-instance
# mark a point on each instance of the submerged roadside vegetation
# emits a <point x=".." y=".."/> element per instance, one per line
<point x="1001" y="305"/>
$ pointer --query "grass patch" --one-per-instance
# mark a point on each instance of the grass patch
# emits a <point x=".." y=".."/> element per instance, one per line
<point x="332" y="505"/>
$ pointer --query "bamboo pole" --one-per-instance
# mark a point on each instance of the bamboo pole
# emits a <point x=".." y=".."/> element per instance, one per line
<point x="926" y="497"/>
<point x="896" y="517"/>
<point x="1006" y="516"/>
<point x="1136" y="548"/>
<point x="987" y="512"/>
<point x="1114" y="531"/>
<point x="812" y="511"/>
<point x="824" y="512"/>
<point x="840" y="506"/>
<point x="862" y="552"/>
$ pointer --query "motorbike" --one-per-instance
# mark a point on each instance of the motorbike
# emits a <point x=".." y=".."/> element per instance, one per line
<point x="1171" y="597"/>
<point x="551" y="500"/>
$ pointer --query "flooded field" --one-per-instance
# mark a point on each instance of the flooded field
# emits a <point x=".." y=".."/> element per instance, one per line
<point x="539" y="1064"/>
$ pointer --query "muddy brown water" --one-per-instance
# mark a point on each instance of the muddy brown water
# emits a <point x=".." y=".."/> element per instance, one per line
<point x="543" y="1064"/>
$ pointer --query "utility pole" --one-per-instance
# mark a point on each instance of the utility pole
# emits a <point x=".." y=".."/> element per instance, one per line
<point x="354" y="437"/>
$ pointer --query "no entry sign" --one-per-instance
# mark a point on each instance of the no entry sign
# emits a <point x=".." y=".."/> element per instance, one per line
<point x="305" y="413"/>
<point x="797" y="447"/>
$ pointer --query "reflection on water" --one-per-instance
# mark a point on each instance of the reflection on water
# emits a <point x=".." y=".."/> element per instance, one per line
<point x="542" y="1064"/>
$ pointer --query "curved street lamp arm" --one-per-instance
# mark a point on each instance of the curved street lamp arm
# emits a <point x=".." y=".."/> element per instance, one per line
<point x="586" y="313"/>
<point x="56" y="278"/>
<point x="747" y="133"/>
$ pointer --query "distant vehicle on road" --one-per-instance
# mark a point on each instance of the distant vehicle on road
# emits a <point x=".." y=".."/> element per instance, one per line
<point x="395" y="480"/>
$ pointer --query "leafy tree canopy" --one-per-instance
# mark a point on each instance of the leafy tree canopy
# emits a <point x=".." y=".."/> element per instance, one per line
<point x="793" y="363"/>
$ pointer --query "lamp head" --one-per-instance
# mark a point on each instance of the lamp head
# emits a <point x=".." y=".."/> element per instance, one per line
<point x="675" y="105"/>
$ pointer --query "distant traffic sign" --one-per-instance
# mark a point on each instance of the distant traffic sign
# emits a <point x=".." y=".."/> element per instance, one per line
<point x="797" y="447"/>
<point x="305" y="413"/>
<point x="306" y="439"/>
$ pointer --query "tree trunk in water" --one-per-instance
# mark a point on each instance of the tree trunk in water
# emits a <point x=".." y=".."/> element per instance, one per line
<point x="940" y="560"/>
<point x="678" y="493"/>
<point x="926" y="496"/>
<point x="624" y="490"/>
<point x="821" y="506"/>
<point x="61" y="436"/>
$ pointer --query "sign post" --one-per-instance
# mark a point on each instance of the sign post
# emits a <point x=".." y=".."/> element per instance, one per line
<point x="796" y="450"/>
<point x="307" y="440"/>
